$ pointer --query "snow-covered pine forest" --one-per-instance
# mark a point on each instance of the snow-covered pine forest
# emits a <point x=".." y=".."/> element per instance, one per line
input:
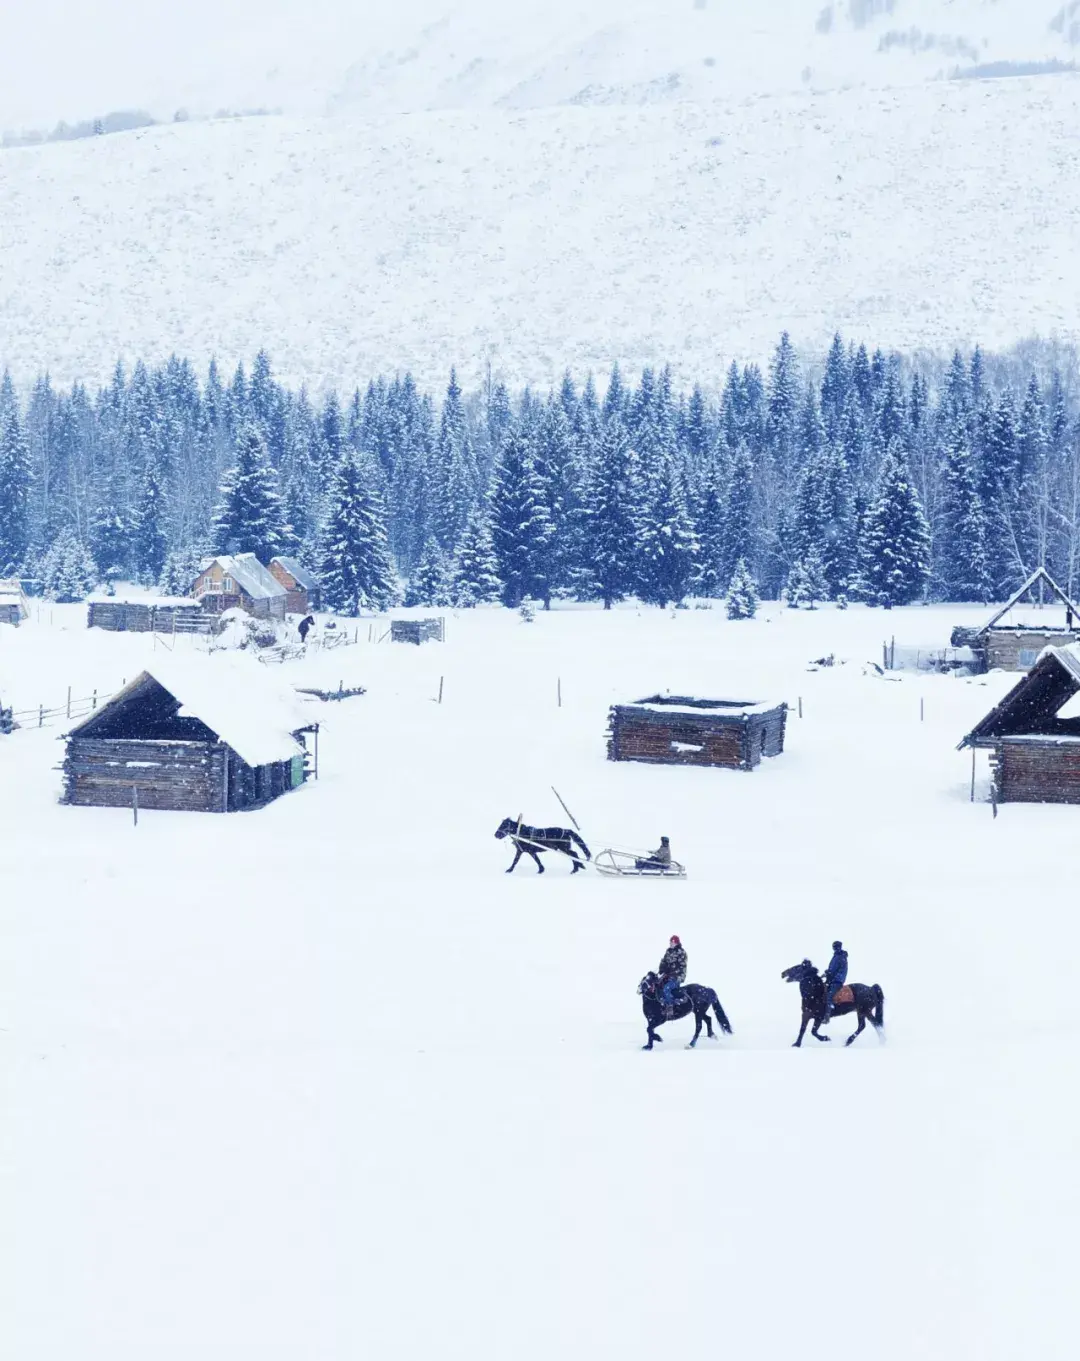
<point x="862" y="476"/>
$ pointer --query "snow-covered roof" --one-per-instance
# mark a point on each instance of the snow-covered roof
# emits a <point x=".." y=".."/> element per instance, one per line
<point x="1035" y="701"/>
<point x="298" y="572"/>
<point x="155" y="602"/>
<point x="236" y="699"/>
<point x="250" y="575"/>
<point x="720" y="708"/>
<point x="1039" y="575"/>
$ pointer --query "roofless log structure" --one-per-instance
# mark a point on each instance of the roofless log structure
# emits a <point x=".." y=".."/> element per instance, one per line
<point x="1033" y="735"/>
<point x="1000" y="646"/>
<point x="678" y="730"/>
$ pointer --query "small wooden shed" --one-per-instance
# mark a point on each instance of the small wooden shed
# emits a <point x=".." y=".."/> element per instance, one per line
<point x="239" y="581"/>
<point x="1052" y="621"/>
<point x="13" y="606"/>
<point x="1033" y="735"/>
<point x="416" y="631"/>
<point x="203" y="738"/>
<point x="680" y="730"/>
<point x="302" y="591"/>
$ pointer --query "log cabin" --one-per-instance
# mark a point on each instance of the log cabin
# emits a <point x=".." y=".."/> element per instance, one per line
<point x="1033" y="735"/>
<point x="302" y="591"/>
<point x="1052" y="620"/>
<point x="679" y="730"/>
<point x="239" y="581"/>
<point x="13" y="605"/>
<point x="190" y="738"/>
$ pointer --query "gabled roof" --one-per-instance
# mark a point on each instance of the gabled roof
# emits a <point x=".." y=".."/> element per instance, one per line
<point x="233" y="697"/>
<point x="250" y="575"/>
<point x="1040" y="574"/>
<point x="299" y="574"/>
<point x="1032" y="705"/>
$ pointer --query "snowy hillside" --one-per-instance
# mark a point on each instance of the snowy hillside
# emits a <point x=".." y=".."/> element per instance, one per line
<point x="687" y="232"/>
<point x="321" y="1082"/>
<point x="324" y="55"/>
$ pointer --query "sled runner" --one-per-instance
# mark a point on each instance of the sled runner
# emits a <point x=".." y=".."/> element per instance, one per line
<point x="627" y="864"/>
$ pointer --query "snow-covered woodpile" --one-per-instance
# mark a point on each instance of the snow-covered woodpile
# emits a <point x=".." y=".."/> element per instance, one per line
<point x="1033" y="735"/>
<point x="190" y="740"/>
<point x="677" y="730"/>
<point x="240" y="581"/>
<point x="149" y="616"/>
<point x="416" y="631"/>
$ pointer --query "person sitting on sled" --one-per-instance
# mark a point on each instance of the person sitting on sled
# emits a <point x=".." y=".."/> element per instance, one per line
<point x="672" y="973"/>
<point x="660" y="859"/>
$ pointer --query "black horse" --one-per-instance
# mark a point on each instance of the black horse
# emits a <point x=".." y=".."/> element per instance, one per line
<point x="532" y="840"/>
<point x="692" y="998"/>
<point x="867" y="1002"/>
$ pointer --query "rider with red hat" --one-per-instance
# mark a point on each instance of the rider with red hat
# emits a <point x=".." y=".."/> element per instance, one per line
<point x="672" y="973"/>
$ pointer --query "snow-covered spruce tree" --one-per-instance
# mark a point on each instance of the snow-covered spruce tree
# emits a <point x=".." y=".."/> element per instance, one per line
<point x="249" y="516"/>
<point x="149" y="538"/>
<point x="962" y="569"/>
<point x="895" y="548"/>
<point x="837" y="528"/>
<point x="555" y="456"/>
<point x="742" y="596"/>
<point x="357" y="570"/>
<point x="68" y="572"/>
<point x="430" y="583"/>
<point x="611" y="503"/>
<point x="520" y="523"/>
<point x="15" y="474"/>
<point x="667" y="545"/>
<point x="807" y="583"/>
<point x="474" y="577"/>
<point x="710" y="526"/>
<point x="738" y="517"/>
<point x="180" y="569"/>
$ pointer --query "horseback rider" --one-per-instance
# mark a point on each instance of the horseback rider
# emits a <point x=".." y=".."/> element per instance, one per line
<point x="660" y="859"/>
<point x="672" y="972"/>
<point x="835" y="977"/>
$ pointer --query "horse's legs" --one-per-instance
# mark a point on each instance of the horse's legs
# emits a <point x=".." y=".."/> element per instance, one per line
<point x="517" y="857"/>
<point x="708" y="1024"/>
<point x="802" y="1029"/>
<point x="862" y="1026"/>
<point x="539" y="866"/>
<point x="697" y="1028"/>
<point x="814" y="1031"/>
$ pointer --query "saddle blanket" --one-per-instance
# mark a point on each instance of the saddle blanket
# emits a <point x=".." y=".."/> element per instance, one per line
<point x="843" y="996"/>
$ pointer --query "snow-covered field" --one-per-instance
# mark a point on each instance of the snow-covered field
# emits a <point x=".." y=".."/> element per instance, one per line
<point x="320" y="1081"/>
<point x="688" y="233"/>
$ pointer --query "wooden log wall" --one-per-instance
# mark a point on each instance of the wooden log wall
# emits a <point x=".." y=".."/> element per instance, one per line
<point x="738" y="742"/>
<point x="121" y="616"/>
<point x="181" y="776"/>
<point x="1004" y="646"/>
<point x="1037" y="772"/>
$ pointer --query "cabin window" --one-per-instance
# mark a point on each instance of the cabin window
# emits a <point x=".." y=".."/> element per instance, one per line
<point x="1028" y="656"/>
<point x="227" y="585"/>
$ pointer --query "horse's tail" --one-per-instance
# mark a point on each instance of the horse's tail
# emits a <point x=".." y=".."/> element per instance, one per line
<point x="574" y="837"/>
<point x="879" y="1006"/>
<point x="721" y="1016"/>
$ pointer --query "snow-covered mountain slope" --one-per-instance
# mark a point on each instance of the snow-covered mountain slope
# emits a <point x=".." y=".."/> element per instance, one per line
<point x="689" y="232"/>
<point x="59" y="59"/>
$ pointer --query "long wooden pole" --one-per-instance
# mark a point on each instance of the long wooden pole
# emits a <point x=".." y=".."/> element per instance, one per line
<point x="565" y="809"/>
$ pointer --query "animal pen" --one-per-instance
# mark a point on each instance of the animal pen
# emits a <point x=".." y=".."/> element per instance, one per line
<point x="143" y="616"/>
<point x="680" y="730"/>
<point x="417" y="630"/>
<point x="1033" y="735"/>
<point x="193" y="742"/>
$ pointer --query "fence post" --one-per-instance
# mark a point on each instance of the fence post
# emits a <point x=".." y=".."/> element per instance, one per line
<point x="440" y="688"/>
<point x="93" y="701"/>
<point x="135" y="802"/>
<point x="560" y="691"/>
<point x="800" y="706"/>
<point x="41" y="715"/>
<point x="922" y="709"/>
<point x="69" y="702"/>
<point x="972" y="774"/>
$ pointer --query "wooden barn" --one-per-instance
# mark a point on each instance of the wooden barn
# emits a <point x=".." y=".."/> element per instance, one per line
<point x="1039" y="615"/>
<point x="1033" y="735"/>
<point x="417" y="631"/>
<point x="206" y="738"/>
<point x="239" y="581"/>
<point x="13" y="606"/>
<point x="677" y="730"/>
<point x="302" y="591"/>
<point x="149" y="616"/>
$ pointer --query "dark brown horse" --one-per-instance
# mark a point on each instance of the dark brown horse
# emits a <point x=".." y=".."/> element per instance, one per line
<point x="534" y="840"/>
<point x="868" y="1003"/>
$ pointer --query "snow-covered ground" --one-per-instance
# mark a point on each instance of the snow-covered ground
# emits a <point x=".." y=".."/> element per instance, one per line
<point x="687" y="233"/>
<point x="320" y="1081"/>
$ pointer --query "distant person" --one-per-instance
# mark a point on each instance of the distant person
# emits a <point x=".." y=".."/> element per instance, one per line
<point x="305" y="626"/>
<point x="660" y="859"/>
<point x="835" y="976"/>
<point x="672" y="973"/>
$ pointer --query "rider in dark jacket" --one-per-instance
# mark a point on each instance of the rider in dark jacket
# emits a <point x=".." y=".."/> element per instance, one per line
<point x="672" y="973"/>
<point x="835" y="976"/>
